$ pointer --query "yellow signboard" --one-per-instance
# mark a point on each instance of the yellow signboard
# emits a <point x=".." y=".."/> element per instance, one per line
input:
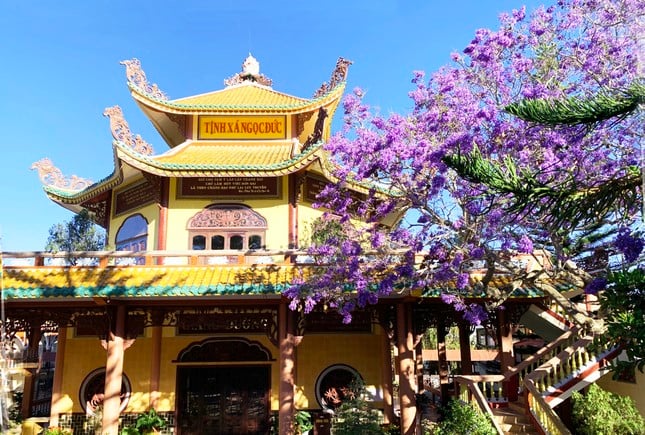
<point x="242" y="127"/>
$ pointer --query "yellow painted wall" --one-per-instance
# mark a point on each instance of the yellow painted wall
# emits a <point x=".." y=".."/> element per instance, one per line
<point x="315" y="353"/>
<point x="635" y="391"/>
<point x="150" y="212"/>
<point x="275" y="211"/>
<point x="306" y="216"/>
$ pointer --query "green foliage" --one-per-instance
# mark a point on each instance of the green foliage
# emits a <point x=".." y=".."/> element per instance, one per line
<point x="325" y="229"/>
<point x="603" y="413"/>
<point x="78" y="234"/>
<point x="624" y="307"/>
<point x="55" y="430"/>
<point x="354" y="416"/>
<point x="302" y="422"/>
<point x="146" y="423"/>
<point x="575" y="111"/>
<point x="461" y="418"/>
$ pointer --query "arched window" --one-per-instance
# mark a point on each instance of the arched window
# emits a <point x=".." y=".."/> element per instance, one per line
<point x="133" y="235"/>
<point x="227" y="226"/>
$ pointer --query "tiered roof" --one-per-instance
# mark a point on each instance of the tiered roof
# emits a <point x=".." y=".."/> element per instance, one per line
<point x="247" y="92"/>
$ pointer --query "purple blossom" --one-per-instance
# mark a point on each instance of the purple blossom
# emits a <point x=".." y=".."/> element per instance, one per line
<point x="463" y="280"/>
<point x="525" y="245"/>
<point x="571" y="49"/>
<point x="595" y="286"/>
<point x="629" y="245"/>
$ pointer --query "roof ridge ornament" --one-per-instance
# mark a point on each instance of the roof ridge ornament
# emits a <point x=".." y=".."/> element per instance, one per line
<point x="338" y="76"/>
<point x="50" y="175"/>
<point x="250" y="73"/>
<point x="137" y="78"/>
<point x="121" y="131"/>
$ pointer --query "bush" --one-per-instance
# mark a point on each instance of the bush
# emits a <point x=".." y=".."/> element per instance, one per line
<point x="600" y="412"/>
<point x="147" y="422"/>
<point x="461" y="418"/>
<point x="354" y="416"/>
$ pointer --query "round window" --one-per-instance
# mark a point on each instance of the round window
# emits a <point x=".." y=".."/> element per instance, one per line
<point x="91" y="394"/>
<point x="333" y="385"/>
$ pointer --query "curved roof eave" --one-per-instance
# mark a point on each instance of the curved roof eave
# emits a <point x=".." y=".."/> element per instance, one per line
<point x="66" y="196"/>
<point x="152" y="166"/>
<point x="185" y="109"/>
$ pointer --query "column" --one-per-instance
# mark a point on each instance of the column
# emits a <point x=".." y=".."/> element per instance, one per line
<point x="155" y="366"/>
<point x="386" y="379"/>
<point x="32" y="366"/>
<point x="407" y="388"/>
<point x="287" y="372"/>
<point x="507" y="359"/>
<point x="57" y="387"/>
<point x="464" y="349"/>
<point x="443" y="360"/>
<point x="114" y="374"/>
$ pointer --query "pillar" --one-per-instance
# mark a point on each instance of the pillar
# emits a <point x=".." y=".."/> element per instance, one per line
<point x="386" y="379"/>
<point x="443" y="360"/>
<point x="155" y="366"/>
<point x="407" y="388"/>
<point x="287" y="371"/>
<point x="114" y="374"/>
<point x="507" y="359"/>
<point x="57" y="387"/>
<point x="464" y="349"/>
<point x="33" y="367"/>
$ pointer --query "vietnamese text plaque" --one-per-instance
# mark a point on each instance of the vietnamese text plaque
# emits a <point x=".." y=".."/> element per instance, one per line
<point x="230" y="187"/>
<point x="242" y="127"/>
<point x="134" y="197"/>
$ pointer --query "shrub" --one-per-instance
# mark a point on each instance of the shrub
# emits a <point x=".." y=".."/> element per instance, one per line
<point x="55" y="430"/>
<point x="461" y="418"/>
<point x="302" y="422"/>
<point x="599" y="412"/>
<point x="354" y="416"/>
<point x="146" y="423"/>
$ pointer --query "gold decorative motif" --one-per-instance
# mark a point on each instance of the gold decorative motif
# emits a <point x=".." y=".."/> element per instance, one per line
<point x="137" y="78"/>
<point x="50" y="175"/>
<point x="339" y="75"/>
<point x="250" y="73"/>
<point x="222" y="216"/>
<point x="121" y="131"/>
<point x="317" y="135"/>
<point x="99" y="211"/>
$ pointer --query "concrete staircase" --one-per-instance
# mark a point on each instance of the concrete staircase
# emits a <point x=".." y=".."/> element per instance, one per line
<point x="513" y="418"/>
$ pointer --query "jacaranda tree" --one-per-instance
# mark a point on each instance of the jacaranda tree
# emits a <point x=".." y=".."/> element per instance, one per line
<point x="575" y="48"/>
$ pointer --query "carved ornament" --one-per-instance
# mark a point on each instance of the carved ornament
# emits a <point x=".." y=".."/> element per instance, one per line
<point x="121" y="131"/>
<point x="229" y="217"/>
<point x="250" y="73"/>
<point x="50" y="175"/>
<point x="338" y="76"/>
<point x="137" y="78"/>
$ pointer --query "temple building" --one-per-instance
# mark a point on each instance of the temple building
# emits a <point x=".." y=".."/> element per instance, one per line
<point x="185" y="315"/>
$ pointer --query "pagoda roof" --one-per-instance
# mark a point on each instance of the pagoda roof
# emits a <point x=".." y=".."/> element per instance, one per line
<point x="245" y="93"/>
<point x="222" y="159"/>
<point x="60" y="283"/>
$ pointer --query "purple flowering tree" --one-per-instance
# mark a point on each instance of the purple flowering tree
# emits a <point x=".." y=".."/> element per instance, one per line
<point x="574" y="48"/>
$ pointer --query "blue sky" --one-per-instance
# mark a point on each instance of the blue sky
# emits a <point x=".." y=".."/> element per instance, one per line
<point x="60" y="70"/>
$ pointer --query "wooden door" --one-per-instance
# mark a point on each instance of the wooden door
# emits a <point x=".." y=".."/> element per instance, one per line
<point x="223" y="400"/>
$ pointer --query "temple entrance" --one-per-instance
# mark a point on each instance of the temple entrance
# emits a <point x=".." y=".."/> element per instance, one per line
<point x="223" y="400"/>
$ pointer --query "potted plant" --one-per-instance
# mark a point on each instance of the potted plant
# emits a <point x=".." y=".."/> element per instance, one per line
<point x="302" y="422"/>
<point x="55" y="430"/>
<point x="148" y="422"/>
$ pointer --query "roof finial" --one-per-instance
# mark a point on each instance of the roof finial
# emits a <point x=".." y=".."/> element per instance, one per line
<point x="251" y="66"/>
<point x="250" y="74"/>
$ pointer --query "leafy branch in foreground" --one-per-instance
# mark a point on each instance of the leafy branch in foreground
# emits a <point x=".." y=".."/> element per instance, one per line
<point x="576" y="111"/>
<point x="575" y="204"/>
